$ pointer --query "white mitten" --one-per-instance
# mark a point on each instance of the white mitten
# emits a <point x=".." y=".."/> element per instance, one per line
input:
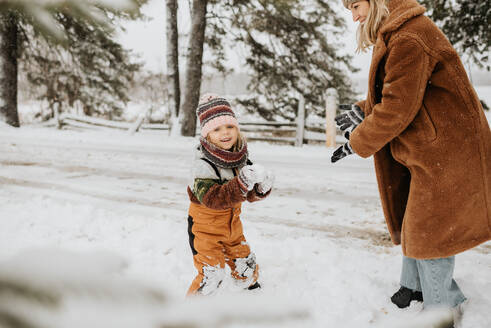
<point x="266" y="185"/>
<point x="249" y="175"/>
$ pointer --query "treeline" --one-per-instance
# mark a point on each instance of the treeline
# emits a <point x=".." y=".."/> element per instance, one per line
<point x="66" y="54"/>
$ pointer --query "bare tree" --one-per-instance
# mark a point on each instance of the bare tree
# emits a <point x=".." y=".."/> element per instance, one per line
<point x="8" y="68"/>
<point x="193" y="70"/>
<point x="173" y="87"/>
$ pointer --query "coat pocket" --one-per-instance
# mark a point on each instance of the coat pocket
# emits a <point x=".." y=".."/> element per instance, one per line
<point x="421" y="131"/>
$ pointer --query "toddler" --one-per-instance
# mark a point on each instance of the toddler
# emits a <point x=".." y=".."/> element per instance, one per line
<point x="223" y="177"/>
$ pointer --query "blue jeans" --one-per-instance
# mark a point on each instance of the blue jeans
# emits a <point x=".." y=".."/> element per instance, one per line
<point x="434" y="278"/>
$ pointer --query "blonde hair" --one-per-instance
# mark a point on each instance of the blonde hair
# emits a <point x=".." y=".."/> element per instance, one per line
<point x="241" y="139"/>
<point x="366" y="35"/>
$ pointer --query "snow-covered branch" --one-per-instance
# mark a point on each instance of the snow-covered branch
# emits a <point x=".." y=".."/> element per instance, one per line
<point x="41" y="12"/>
<point x="61" y="289"/>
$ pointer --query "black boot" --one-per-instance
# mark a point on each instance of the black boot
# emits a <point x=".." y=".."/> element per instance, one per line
<point x="403" y="297"/>
<point x="254" y="286"/>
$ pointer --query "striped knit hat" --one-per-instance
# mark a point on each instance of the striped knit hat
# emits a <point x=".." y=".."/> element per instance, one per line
<point x="214" y="111"/>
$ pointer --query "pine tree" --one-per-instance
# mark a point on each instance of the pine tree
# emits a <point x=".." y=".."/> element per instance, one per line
<point x="60" y="23"/>
<point x="293" y="50"/>
<point x="89" y="71"/>
<point x="40" y="13"/>
<point x="466" y="24"/>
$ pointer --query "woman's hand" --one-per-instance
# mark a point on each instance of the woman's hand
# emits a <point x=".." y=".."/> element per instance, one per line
<point x="349" y="120"/>
<point x="341" y="152"/>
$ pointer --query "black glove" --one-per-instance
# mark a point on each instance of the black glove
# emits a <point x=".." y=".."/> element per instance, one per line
<point x="349" y="120"/>
<point x="341" y="152"/>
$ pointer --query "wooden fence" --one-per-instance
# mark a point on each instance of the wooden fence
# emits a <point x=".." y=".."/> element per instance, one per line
<point x="296" y="133"/>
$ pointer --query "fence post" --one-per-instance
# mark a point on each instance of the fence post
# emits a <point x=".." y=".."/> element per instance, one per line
<point x="300" y="121"/>
<point x="137" y="124"/>
<point x="331" y="105"/>
<point x="57" y="115"/>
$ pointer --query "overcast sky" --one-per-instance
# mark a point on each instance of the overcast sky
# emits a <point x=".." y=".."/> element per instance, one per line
<point x="147" y="38"/>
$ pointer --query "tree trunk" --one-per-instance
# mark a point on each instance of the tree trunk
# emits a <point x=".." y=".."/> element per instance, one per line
<point x="8" y="69"/>
<point x="193" y="70"/>
<point x="173" y="87"/>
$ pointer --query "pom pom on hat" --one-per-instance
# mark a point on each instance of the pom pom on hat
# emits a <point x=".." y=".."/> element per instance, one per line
<point x="214" y="111"/>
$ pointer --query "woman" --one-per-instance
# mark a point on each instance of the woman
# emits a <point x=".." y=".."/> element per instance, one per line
<point x="423" y="123"/>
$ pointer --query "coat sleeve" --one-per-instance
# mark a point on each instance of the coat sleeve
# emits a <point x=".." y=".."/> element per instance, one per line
<point x="254" y="195"/>
<point x="408" y="68"/>
<point x="361" y="104"/>
<point x="220" y="196"/>
<point x="212" y="193"/>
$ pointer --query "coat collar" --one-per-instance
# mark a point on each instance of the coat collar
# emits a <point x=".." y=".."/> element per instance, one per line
<point x="400" y="11"/>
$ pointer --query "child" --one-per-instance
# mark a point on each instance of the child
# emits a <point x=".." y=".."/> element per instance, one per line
<point x="223" y="178"/>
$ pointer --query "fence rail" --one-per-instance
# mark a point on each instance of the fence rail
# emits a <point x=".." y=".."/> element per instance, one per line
<point x="296" y="133"/>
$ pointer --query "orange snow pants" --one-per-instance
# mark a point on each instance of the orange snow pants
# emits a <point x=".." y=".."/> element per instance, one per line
<point x="216" y="238"/>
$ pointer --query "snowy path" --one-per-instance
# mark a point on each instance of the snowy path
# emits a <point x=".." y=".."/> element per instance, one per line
<point x="319" y="239"/>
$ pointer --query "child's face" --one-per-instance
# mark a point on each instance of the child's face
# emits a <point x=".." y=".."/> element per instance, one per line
<point x="225" y="136"/>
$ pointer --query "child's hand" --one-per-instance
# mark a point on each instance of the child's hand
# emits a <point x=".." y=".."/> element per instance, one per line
<point x="249" y="175"/>
<point x="266" y="185"/>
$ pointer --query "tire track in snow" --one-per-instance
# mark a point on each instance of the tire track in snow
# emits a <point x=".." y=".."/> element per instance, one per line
<point x="334" y="231"/>
<point x="372" y="236"/>
<point x="294" y="192"/>
<point x="74" y="190"/>
<point x="113" y="173"/>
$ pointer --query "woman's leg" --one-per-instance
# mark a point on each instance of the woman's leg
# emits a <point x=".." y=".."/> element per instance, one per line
<point x="439" y="287"/>
<point x="410" y="284"/>
<point x="409" y="274"/>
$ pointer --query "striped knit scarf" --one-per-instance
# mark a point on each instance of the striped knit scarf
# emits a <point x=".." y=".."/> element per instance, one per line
<point x="224" y="158"/>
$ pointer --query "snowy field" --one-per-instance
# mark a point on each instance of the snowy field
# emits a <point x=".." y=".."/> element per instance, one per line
<point x="320" y="238"/>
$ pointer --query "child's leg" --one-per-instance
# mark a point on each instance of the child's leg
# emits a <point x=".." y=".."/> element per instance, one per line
<point x="209" y="276"/>
<point x="208" y="257"/>
<point x="409" y="274"/>
<point x="239" y="257"/>
<point x="243" y="265"/>
<point x="245" y="270"/>
<point x="438" y="285"/>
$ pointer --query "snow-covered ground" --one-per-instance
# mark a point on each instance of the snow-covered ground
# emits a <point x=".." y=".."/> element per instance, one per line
<point x="320" y="238"/>
<point x="484" y="93"/>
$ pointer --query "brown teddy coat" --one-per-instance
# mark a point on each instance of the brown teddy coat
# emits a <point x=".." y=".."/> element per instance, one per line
<point x="431" y="142"/>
